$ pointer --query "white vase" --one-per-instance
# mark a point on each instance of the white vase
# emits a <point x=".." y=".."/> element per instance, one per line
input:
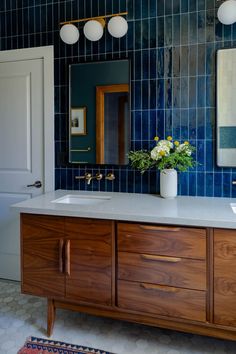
<point x="168" y="183"/>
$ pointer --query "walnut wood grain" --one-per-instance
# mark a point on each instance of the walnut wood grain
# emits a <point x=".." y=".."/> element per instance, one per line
<point x="90" y="277"/>
<point x="186" y="273"/>
<point x="177" y="242"/>
<point x="177" y="302"/>
<point x="225" y="277"/>
<point x="40" y="243"/>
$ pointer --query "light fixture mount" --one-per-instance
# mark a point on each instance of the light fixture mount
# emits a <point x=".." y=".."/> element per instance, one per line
<point x="117" y="29"/>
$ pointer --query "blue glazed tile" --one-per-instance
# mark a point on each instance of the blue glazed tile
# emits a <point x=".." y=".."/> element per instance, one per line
<point x="168" y="30"/>
<point x="193" y="35"/>
<point x="145" y="94"/>
<point x="184" y="125"/>
<point x="226" y="185"/>
<point x="176" y="32"/>
<point x="161" y="32"/>
<point x="176" y="93"/>
<point x="152" y="33"/>
<point x="209" y="184"/>
<point x="201" y="123"/>
<point x="218" y="180"/>
<point x="184" y="32"/>
<point x="176" y="124"/>
<point x="192" y="124"/>
<point x="176" y="61"/>
<point x="184" y="6"/>
<point x="192" y="183"/>
<point x="160" y="7"/>
<point x="201" y="26"/>
<point x="145" y="34"/>
<point x="172" y="46"/>
<point x="152" y="95"/>
<point x="201" y="184"/>
<point x="193" y="60"/>
<point x="160" y="94"/>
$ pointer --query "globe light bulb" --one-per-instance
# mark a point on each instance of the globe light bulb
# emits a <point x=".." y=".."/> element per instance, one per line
<point x="117" y="26"/>
<point x="93" y="30"/>
<point x="69" y="34"/>
<point x="227" y="12"/>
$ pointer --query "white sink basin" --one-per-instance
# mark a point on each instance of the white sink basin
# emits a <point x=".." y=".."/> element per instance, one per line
<point x="81" y="199"/>
<point x="233" y="206"/>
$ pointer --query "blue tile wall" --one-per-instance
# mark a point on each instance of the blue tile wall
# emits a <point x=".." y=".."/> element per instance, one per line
<point x="171" y="45"/>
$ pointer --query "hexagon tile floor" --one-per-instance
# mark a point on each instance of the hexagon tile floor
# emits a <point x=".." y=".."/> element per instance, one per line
<point x="22" y="316"/>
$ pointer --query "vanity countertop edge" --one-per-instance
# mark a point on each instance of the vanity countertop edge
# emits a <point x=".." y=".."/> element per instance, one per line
<point x="149" y="208"/>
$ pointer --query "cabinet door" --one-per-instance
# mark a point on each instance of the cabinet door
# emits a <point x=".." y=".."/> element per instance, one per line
<point x="225" y="277"/>
<point x="89" y="257"/>
<point x="41" y="252"/>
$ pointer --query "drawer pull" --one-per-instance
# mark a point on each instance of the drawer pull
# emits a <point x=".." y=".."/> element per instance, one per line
<point x="150" y="257"/>
<point x="165" y="289"/>
<point x="61" y="255"/>
<point x="160" y="228"/>
<point x="67" y="257"/>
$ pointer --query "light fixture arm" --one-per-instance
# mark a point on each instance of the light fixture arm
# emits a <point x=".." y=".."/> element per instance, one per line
<point x="93" y="18"/>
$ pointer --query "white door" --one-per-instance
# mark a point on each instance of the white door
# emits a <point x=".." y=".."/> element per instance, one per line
<point x="21" y="151"/>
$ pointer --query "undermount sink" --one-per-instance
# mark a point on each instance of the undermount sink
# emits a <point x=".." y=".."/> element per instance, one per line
<point x="81" y="199"/>
<point x="233" y="206"/>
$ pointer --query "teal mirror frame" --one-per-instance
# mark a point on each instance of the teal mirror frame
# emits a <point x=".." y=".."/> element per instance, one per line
<point x="83" y="80"/>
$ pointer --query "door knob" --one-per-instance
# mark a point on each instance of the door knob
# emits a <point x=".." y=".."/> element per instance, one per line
<point x="37" y="184"/>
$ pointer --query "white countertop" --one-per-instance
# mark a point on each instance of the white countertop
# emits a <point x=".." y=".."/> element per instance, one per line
<point x="192" y="211"/>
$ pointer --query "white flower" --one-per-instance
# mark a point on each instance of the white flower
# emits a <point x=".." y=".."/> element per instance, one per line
<point x="184" y="148"/>
<point x="159" y="151"/>
<point x="165" y="144"/>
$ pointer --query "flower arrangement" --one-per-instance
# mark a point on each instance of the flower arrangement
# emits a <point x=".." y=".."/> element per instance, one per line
<point x="167" y="154"/>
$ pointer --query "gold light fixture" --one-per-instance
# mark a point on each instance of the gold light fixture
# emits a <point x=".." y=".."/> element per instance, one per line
<point x="94" y="27"/>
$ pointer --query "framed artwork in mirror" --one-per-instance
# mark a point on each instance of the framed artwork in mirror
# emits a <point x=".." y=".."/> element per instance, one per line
<point x="78" y="121"/>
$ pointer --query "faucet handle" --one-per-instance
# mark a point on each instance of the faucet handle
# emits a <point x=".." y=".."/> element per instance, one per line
<point x="110" y="176"/>
<point x="99" y="176"/>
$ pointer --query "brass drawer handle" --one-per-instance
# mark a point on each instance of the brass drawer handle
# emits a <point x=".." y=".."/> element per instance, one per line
<point x="160" y="228"/>
<point x="150" y="257"/>
<point x="67" y="257"/>
<point x="165" y="289"/>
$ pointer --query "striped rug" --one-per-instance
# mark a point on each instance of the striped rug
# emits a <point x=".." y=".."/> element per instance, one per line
<point x="35" y="345"/>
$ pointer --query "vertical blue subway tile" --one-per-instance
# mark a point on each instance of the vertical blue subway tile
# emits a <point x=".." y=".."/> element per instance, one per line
<point x="176" y="31"/>
<point x="172" y="46"/>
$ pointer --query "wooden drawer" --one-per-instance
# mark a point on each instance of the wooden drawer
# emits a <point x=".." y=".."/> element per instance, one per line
<point x="162" y="300"/>
<point x="173" y="271"/>
<point x="162" y="240"/>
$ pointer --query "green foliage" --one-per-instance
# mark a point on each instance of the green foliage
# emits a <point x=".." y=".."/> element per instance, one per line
<point x="165" y="155"/>
<point x="141" y="160"/>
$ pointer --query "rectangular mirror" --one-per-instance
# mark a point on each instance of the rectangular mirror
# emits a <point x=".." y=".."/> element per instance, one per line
<point x="226" y="107"/>
<point x="99" y="119"/>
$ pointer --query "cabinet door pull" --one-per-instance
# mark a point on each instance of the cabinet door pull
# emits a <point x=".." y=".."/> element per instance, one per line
<point x="150" y="257"/>
<point x="61" y="255"/>
<point x="162" y="288"/>
<point x="159" y="228"/>
<point x="67" y="257"/>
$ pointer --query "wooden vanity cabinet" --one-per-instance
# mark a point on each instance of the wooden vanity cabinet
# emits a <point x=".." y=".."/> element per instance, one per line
<point x="175" y="277"/>
<point x="65" y="258"/>
<point x="225" y="277"/>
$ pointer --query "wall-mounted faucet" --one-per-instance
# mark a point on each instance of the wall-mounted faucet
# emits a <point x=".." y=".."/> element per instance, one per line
<point x="110" y="176"/>
<point x="88" y="177"/>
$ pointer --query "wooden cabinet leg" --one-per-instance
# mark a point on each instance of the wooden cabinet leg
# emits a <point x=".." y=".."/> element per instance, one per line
<point x="51" y="316"/>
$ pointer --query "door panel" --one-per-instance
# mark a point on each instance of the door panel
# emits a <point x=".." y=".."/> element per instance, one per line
<point x="90" y="260"/>
<point x="41" y="239"/>
<point x="21" y="150"/>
